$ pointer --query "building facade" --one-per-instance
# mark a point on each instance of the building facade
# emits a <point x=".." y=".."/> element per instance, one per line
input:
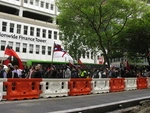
<point x="29" y="27"/>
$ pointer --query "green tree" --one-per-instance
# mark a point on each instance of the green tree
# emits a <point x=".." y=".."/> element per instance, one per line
<point x="95" y="24"/>
<point x="137" y="37"/>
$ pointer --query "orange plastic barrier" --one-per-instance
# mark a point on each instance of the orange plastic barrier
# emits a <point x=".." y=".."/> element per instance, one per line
<point x="117" y="84"/>
<point x="142" y="83"/>
<point x="80" y="86"/>
<point x="18" y="88"/>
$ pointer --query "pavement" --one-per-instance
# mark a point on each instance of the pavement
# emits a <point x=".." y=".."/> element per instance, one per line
<point x="94" y="103"/>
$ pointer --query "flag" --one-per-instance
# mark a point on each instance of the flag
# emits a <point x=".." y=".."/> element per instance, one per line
<point x="71" y="64"/>
<point x="80" y="63"/>
<point x="127" y="65"/>
<point x="101" y="59"/>
<point x="59" y="52"/>
<point x="148" y="55"/>
<point x="11" y="52"/>
<point x="7" y="61"/>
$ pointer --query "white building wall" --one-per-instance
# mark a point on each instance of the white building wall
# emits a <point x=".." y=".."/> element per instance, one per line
<point x="17" y="38"/>
<point x="14" y="2"/>
<point x="44" y="7"/>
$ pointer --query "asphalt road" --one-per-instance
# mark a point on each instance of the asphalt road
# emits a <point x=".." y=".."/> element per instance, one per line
<point x="76" y="104"/>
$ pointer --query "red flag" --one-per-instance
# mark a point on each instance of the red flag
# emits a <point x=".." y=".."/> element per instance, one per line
<point x="71" y="64"/>
<point x="18" y="62"/>
<point x="11" y="52"/>
<point x="148" y="55"/>
<point x="7" y="61"/>
<point x="80" y="63"/>
<point x="127" y="65"/>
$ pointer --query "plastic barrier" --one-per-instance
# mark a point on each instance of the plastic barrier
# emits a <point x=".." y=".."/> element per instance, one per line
<point x="148" y="81"/>
<point x="80" y="86"/>
<point x="2" y="88"/>
<point x="130" y="83"/>
<point x="100" y="85"/>
<point x="54" y="87"/>
<point x="142" y="83"/>
<point x="18" y="88"/>
<point x="117" y="84"/>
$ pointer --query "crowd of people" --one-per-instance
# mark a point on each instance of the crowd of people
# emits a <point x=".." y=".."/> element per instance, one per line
<point x="66" y="71"/>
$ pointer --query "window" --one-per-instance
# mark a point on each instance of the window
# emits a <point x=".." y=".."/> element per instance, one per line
<point x="37" y="49"/>
<point x="31" y="2"/>
<point x="25" y="30"/>
<point x="32" y="31"/>
<point x="49" y="50"/>
<point x="37" y="2"/>
<point x="55" y="35"/>
<point x="52" y="6"/>
<point x="11" y="28"/>
<point x="4" y="26"/>
<point x="49" y="34"/>
<point x="38" y="32"/>
<point x="18" y="29"/>
<point x="10" y="44"/>
<point x="43" y="50"/>
<point x="83" y="54"/>
<point x="91" y="55"/>
<point x="3" y="44"/>
<point x="25" y="1"/>
<point x="98" y="57"/>
<point x="30" y="48"/>
<point x="42" y="4"/>
<point x="88" y="55"/>
<point x="47" y="5"/>
<point x="44" y="33"/>
<point x="17" y="47"/>
<point x="24" y="50"/>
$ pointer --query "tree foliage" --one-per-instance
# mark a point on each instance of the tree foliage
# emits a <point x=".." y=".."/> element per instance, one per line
<point x="95" y="24"/>
<point x="137" y="37"/>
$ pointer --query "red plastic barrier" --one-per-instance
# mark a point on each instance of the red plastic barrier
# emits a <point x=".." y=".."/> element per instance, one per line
<point x="117" y="84"/>
<point x="18" y="88"/>
<point x="80" y="86"/>
<point x="142" y="83"/>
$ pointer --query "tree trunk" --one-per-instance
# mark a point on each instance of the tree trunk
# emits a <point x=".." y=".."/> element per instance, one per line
<point x="148" y="59"/>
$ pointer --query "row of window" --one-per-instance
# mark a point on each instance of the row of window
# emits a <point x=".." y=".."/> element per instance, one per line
<point x="41" y="4"/>
<point x="29" y="30"/>
<point x="87" y="54"/>
<point x="33" y="49"/>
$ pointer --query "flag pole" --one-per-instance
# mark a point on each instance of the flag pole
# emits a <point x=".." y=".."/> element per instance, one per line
<point x="3" y="56"/>
<point x="2" y="59"/>
<point x="53" y="54"/>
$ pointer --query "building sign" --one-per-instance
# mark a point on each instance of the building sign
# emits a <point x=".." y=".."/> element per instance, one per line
<point x="21" y="37"/>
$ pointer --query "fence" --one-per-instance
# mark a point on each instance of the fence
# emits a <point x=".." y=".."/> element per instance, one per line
<point x="18" y="88"/>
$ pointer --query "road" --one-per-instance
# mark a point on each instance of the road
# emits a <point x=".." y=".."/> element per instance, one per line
<point x="95" y="103"/>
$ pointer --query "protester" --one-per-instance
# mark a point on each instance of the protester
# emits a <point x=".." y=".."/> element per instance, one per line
<point x="38" y="71"/>
<point x="16" y="73"/>
<point x="31" y="72"/>
<point x="67" y="72"/>
<point x="2" y="72"/>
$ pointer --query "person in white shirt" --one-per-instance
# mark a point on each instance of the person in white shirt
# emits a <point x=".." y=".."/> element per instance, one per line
<point x="16" y="73"/>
